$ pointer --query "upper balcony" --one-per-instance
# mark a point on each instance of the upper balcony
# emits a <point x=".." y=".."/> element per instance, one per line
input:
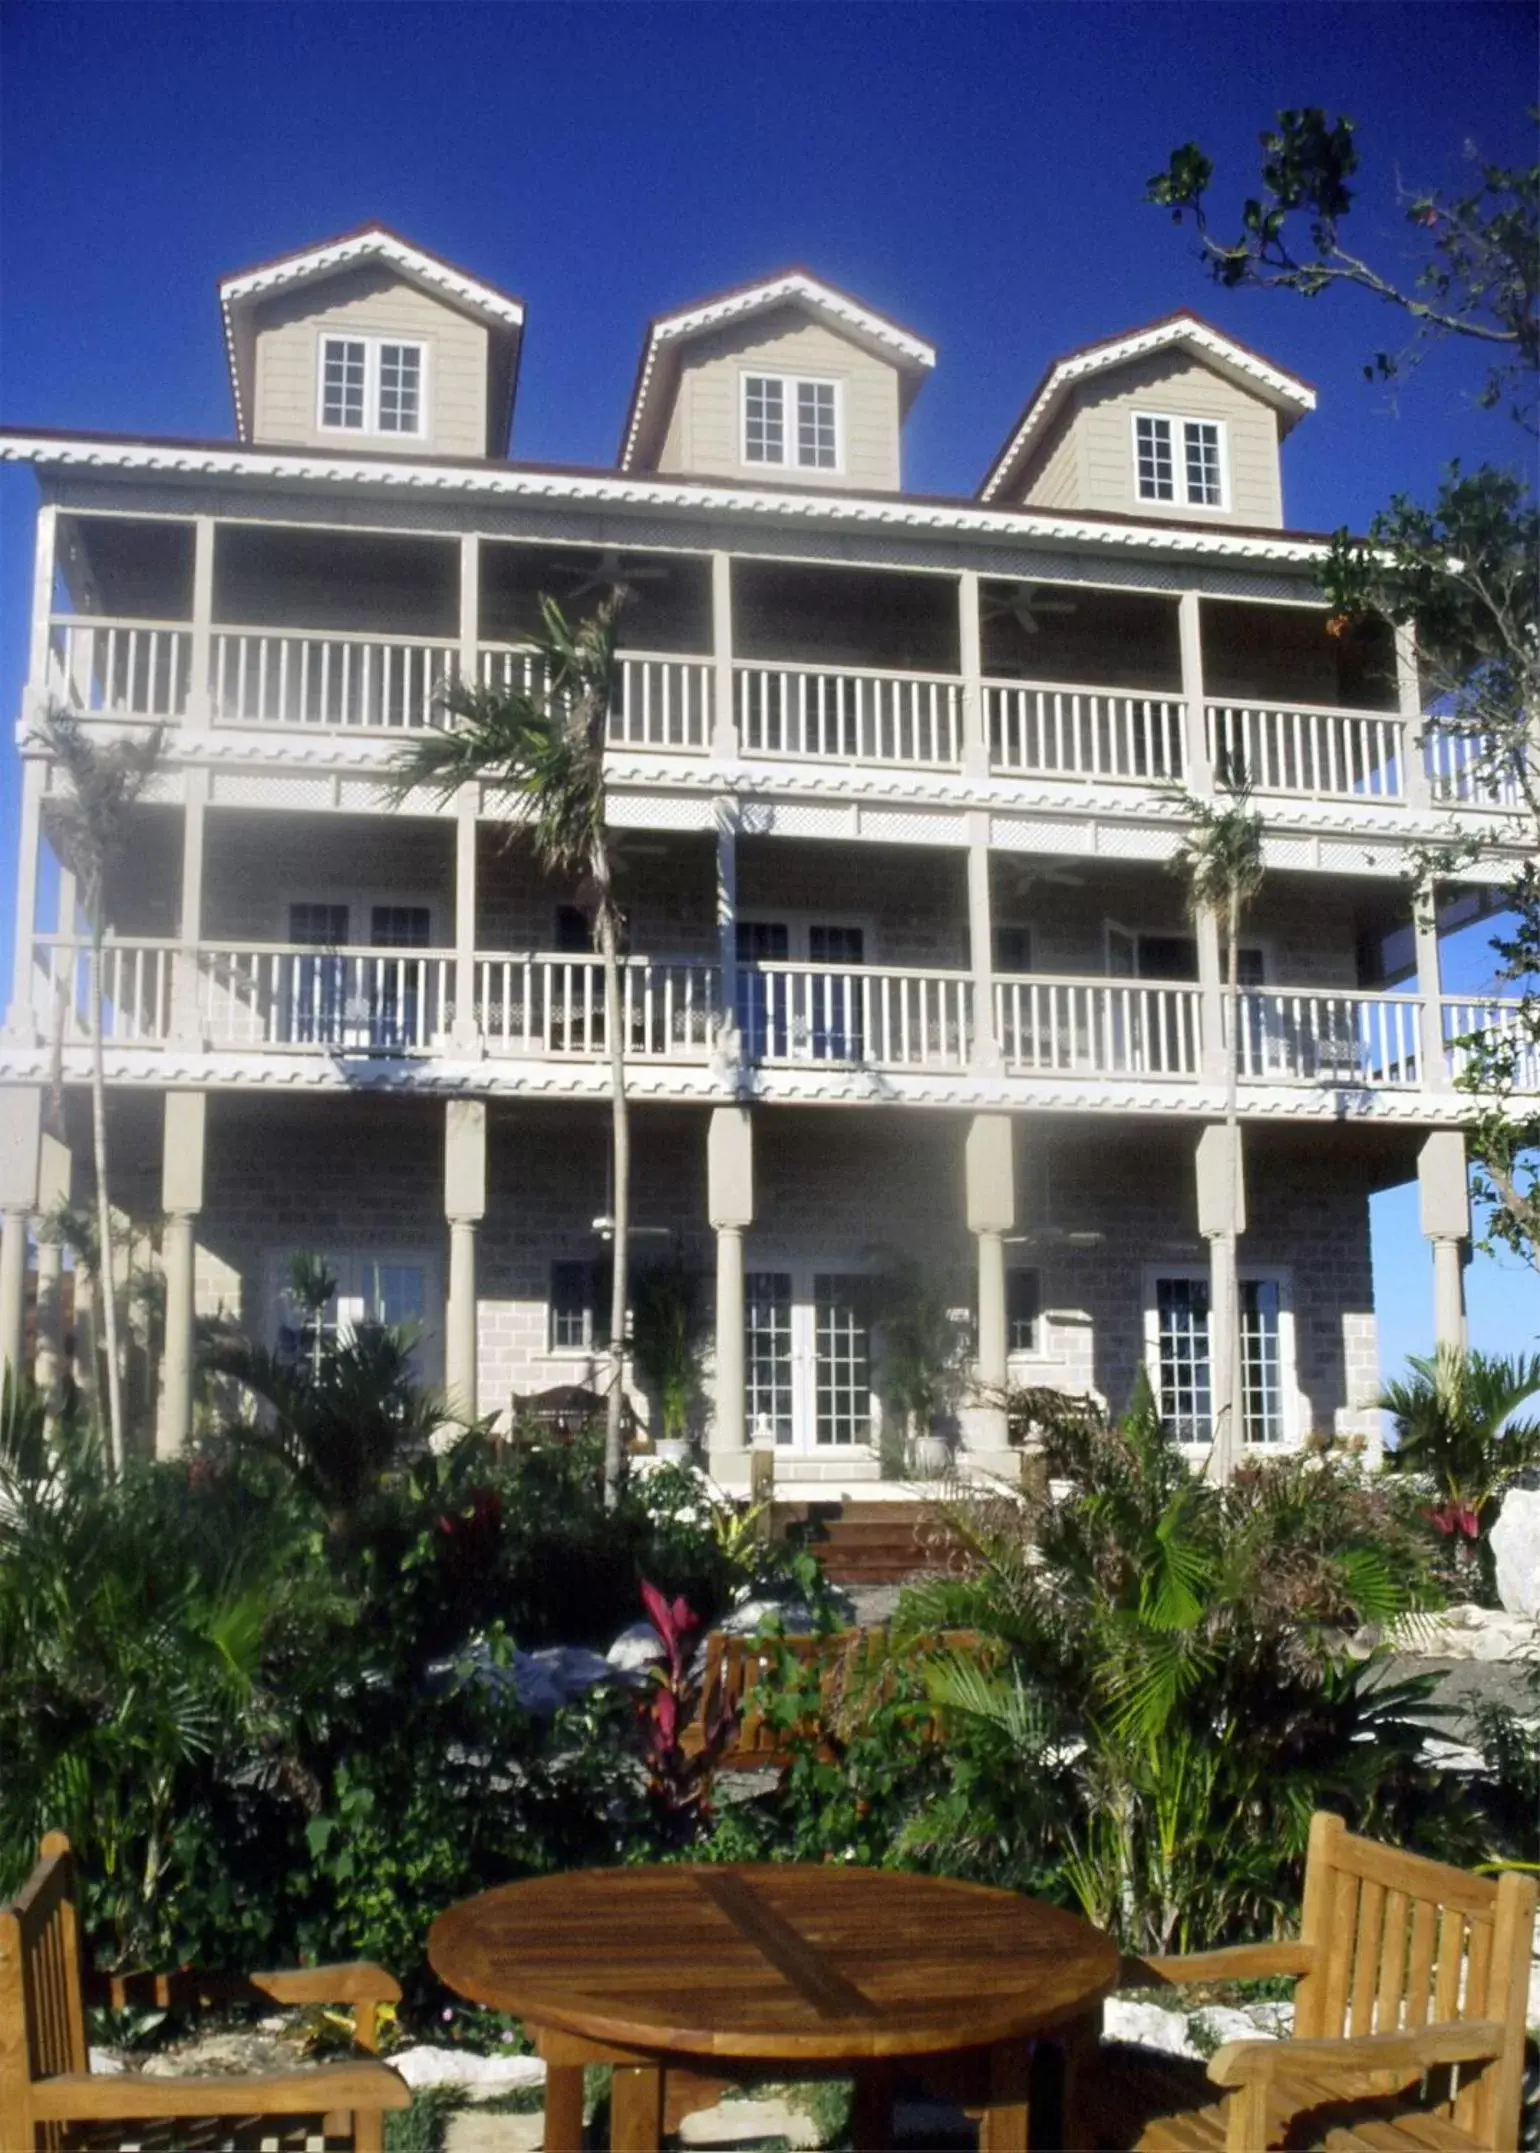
<point x="1015" y="684"/>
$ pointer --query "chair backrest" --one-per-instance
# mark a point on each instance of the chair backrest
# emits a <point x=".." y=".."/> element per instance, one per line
<point x="1402" y="1943"/>
<point x="42" y="2006"/>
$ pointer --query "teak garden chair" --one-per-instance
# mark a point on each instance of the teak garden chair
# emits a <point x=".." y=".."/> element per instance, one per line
<point x="50" y="2102"/>
<point x="1408" y="2018"/>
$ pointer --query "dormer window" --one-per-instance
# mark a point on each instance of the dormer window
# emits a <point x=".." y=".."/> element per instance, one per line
<point x="1180" y="460"/>
<point x="369" y="386"/>
<point x="791" y="421"/>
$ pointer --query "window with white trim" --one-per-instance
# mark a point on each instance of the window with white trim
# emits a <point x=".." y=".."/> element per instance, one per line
<point x="1177" y="1332"/>
<point x="1180" y="460"/>
<point x="580" y="1305"/>
<point x="373" y="385"/>
<point x="1023" y="1311"/>
<point x="392" y="1289"/>
<point x="790" y="421"/>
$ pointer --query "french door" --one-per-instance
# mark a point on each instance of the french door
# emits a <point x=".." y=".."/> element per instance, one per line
<point x="807" y="1359"/>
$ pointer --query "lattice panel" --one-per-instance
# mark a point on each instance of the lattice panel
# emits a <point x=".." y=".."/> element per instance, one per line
<point x="1118" y="841"/>
<point x="246" y="789"/>
<point x="884" y="826"/>
<point x="801" y="818"/>
<point x="1031" y="833"/>
<point x="658" y="811"/>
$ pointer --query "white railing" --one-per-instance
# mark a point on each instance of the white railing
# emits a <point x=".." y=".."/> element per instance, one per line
<point x="137" y="984"/>
<point x="1467" y="769"/>
<point x="660" y="702"/>
<point x="305" y="677"/>
<point x="1508" y="1047"/>
<point x="844" y="715"/>
<point x="879" y="1018"/>
<point x="330" y="1001"/>
<point x="1098" y="1027"/>
<point x="1038" y="729"/>
<point x="119" y="668"/>
<point x="1354" y="1040"/>
<point x="545" y="1004"/>
<point x="1309" y="750"/>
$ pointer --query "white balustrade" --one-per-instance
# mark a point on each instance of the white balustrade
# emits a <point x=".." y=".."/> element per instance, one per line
<point x="1493" y="1038"/>
<point x="137" y="981"/>
<point x="1042" y="730"/>
<point x="1098" y="1027"/>
<point x="1469" y="769"/>
<point x="660" y="702"/>
<point x="843" y="715"/>
<point x="301" y="677"/>
<point x="549" y="1004"/>
<point x="1309" y="750"/>
<point x="331" y="1001"/>
<point x="873" y="1017"/>
<point x="1368" y="1041"/>
<point x="119" y="668"/>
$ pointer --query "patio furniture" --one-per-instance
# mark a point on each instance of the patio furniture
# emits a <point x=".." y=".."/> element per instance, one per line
<point x="1408" y="2019"/>
<point x="49" y="2097"/>
<point x="691" y="1977"/>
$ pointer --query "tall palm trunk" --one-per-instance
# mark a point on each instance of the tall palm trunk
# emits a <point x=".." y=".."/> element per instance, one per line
<point x="109" y="1299"/>
<point x="1227" y="1427"/>
<point x="620" y="1205"/>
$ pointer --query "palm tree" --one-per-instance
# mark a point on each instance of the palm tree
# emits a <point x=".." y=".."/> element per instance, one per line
<point x="1455" y="1421"/>
<point x="89" y="823"/>
<point x="1220" y="859"/>
<point x="542" y="747"/>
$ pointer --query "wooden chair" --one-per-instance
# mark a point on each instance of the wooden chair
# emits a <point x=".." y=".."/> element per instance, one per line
<point x="50" y="2102"/>
<point x="1408" y="2019"/>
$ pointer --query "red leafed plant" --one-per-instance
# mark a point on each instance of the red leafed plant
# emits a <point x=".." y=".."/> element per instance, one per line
<point x="679" y="1770"/>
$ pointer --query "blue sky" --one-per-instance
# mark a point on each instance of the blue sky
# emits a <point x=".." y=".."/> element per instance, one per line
<point x="975" y="170"/>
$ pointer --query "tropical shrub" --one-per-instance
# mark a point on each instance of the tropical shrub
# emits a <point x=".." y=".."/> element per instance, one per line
<point x="1458" y="1425"/>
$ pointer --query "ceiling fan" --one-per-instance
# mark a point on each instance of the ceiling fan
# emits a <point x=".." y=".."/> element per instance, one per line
<point x="1026" y="604"/>
<point x="607" y="568"/>
<point x="604" y="1225"/>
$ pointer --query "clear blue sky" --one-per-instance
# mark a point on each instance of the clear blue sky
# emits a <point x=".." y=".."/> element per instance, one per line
<point x="975" y="170"/>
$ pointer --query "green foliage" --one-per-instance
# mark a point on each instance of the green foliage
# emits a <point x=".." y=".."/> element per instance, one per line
<point x="1457" y="1422"/>
<point x="924" y="1344"/>
<point x="667" y="1327"/>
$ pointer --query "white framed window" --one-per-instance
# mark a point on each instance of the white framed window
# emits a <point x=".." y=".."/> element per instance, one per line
<point x="579" y="1304"/>
<point x="1178" y="1356"/>
<point x="1023" y="1311"/>
<point x="1183" y="461"/>
<point x="792" y="421"/>
<point x="372" y="385"/>
<point x="398" y="1287"/>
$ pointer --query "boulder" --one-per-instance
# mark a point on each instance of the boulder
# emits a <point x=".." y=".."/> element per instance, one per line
<point x="479" y="2078"/>
<point x="1516" y="1547"/>
<point x="637" y="1646"/>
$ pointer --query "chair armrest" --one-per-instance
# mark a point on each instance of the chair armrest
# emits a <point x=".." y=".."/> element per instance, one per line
<point x="1238" y="1962"/>
<point x="358" y="1982"/>
<point x="81" y="2096"/>
<point x="1251" y="2063"/>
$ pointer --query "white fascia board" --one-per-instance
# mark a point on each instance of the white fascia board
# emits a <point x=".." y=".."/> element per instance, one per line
<point x="649" y="491"/>
<point x="1279" y="387"/>
<point x="675" y="328"/>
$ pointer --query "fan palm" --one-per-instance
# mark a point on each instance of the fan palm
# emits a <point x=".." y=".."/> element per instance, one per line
<point x="89" y="822"/>
<point x="1220" y="860"/>
<point x="541" y="747"/>
<point x="1455" y="1420"/>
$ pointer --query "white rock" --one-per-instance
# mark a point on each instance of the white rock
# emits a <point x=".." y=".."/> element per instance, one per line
<point x="477" y="2133"/>
<point x="734" y="2123"/>
<point x="637" y="1646"/>
<point x="479" y="2078"/>
<point x="1516" y="1547"/>
<point x="1222" y="2023"/>
<point x="1468" y="1633"/>
<point x="1148" y="2025"/>
<point x="104" y="2063"/>
<point x="795" y="1617"/>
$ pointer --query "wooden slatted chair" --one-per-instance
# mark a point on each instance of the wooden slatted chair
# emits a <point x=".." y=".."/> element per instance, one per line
<point x="1408" y="2019"/>
<point x="50" y="2101"/>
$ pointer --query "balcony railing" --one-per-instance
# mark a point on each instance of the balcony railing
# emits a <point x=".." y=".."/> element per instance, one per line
<point x="137" y="981"/>
<point x="554" y="1005"/>
<point x="1508" y="1047"/>
<point x="1040" y="730"/>
<point x="1310" y="750"/>
<point x="661" y="702"/>
<point x="339" y="1001"/>
<point x="878" y="1017"/>
<point x="357" y="683"/>
<point x="1467" y="770"/>
<point x="119" y="668"/>
<point x="1365" y="1040"/>
<point x="1098" y="1028"/>
<point x="842" y="714"/>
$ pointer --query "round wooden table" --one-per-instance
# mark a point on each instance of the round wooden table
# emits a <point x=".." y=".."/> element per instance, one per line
<point x="689" y="1978"/>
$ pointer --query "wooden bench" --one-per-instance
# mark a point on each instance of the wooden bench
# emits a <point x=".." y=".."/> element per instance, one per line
<point x="51" y="2103"/>
<point x="1408" y="2019"/>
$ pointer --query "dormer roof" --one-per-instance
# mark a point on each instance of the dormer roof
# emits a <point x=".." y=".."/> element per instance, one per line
<point x="240" y="293"/>
<point x="658" y="368"/>
<point x="1289" y="396"/>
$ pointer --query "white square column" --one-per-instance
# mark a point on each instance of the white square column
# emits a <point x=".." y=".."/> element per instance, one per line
<point x="465" y="1206"/>
<point x="183" y="1145"/>
<point x="730" y="1208"/>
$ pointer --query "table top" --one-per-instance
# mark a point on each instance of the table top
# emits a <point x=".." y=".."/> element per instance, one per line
<point x="777" y="1962"/>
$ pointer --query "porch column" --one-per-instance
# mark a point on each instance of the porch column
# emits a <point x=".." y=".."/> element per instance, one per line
<point x="185" y="1017"/>
<point x="21" y="1020"/>
<point x="1214" y="1058"/>
<point x="1415" y="781"/>
<point x="200" y="680"/>
<point x="183" y="1144"/>
<point x="1221" y="1221"/>
<point x="21" y="1121"/>
<point x="989" y="1161"/>
<point x="729" y="1045"/>
<point x="465" y="1206"/>
<point x="1444" y="1206"/>
<point x="975" y="733"/>
<point x="1199" y="770"/>
<point x="55" y="1173"/>
<point x="730" y="1207"/>
<point x="981" y="944"/>
<point x="1432" y="1055"/>
<point x="465" y="1032"/>
<point x="725" y="746"/>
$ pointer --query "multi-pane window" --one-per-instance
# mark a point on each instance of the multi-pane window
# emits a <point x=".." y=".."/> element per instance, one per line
<point x="1261" y="1362"/>
<point x="841" y="1362"/>
<point x="369" y="386"/>
<point x="767" y="1321"/>
<point x="1179" y="460"/>
<point x="580" y="1306"/>
<point x="1022" y="1311"/>
<point x="1184" y="1368"/>
<point x="389" y="1290"/>
<point x="791" y="422"/>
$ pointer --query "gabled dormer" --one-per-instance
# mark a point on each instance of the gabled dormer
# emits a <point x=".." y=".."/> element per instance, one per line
<point x="1176" y="420"/>
<point x="366" y="342"/>
<point x="786" y="381"/>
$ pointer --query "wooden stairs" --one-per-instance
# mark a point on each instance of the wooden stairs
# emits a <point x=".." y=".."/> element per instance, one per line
<point x="871" y="1543"/>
